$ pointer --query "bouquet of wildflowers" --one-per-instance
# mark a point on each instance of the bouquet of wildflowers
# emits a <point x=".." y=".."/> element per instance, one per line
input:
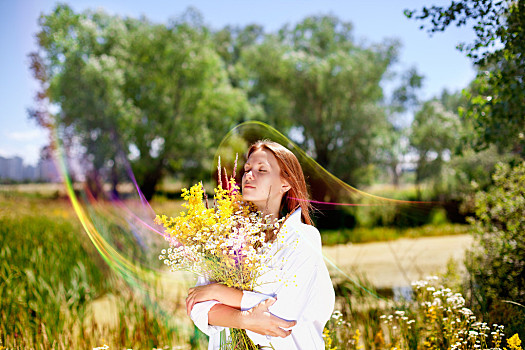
<point x="225" y="242"/>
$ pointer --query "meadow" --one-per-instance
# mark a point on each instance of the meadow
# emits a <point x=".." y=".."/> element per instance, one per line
<point x="56" y="292"/>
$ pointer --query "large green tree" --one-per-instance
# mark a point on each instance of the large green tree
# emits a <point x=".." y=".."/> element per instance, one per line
<point x="497" y="98"/>
<point x="328" y="86"/>
<point x="157" y="93"/>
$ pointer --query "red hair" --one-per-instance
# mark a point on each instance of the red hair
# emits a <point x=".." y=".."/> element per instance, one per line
<point x="292" y="172"/>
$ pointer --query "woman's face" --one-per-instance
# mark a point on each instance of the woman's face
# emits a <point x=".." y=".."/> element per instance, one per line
<point x="262" y="182"/>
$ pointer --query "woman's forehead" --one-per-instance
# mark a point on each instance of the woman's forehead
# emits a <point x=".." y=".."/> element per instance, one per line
<point x="262" y="156"/>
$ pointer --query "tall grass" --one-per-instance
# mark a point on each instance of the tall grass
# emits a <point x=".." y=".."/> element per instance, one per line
<point x="46" y="277"/>
<point x="51" y="277"/>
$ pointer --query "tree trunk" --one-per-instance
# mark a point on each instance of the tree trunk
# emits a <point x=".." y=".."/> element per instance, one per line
<point x="93" y="184"/>
<point x="149" y="183"/>
<point x="418" y="181"/>
<point x="114" y="180"/>
<point x="395" y="174"/>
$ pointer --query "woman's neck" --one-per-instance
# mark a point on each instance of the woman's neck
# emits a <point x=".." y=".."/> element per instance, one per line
<point x="273" y="214"/>
<point x="269" y="208"/>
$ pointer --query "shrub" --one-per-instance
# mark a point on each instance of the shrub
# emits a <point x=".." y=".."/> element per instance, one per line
<point x="497" y="266"/>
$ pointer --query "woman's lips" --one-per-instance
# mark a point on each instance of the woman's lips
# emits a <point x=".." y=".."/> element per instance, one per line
<point x="249" y="186"/>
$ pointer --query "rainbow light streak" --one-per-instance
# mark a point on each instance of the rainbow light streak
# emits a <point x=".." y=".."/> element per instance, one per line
<point x="302" y="155"/>
<point x="132" y="273"/>
<point x="352" y="204"/>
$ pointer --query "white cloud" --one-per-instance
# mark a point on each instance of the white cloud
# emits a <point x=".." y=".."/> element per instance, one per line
<point x="29" y="152"/>
<point x="26" y="135"/>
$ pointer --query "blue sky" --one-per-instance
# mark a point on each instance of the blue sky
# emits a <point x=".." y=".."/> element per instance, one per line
<point x="374" y="20"/>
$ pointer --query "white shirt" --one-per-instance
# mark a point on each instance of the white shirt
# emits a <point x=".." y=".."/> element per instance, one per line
<point x="299" y="281"/>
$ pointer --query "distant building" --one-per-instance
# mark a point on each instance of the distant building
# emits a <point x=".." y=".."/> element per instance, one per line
<point x="48" y="171"/>
<point x="3" y="168"/>
<point x="14" y="169"/>
<point x="30" y="173"/>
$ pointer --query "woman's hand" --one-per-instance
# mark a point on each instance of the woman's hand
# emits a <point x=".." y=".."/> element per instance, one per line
<point x="213" y="291"/>
<point x="259" y="320"/>
<point x="198" y="294"/>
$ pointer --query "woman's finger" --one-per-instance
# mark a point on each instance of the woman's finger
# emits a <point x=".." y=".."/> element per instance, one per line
<point x="189" y="306"/>
<point x="269" y="302"/>
<point x="285" y="324"/>
<point x="192" y="304"/>
<point x="278" y="332"/>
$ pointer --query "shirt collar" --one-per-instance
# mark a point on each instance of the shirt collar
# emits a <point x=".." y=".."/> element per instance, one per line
<point x="294" y="218"/>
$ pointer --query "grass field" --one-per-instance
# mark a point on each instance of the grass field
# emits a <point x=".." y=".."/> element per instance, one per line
<point x="57" y="292"/>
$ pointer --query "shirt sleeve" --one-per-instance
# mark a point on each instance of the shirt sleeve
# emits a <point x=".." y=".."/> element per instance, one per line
<point x="199" y="313"/>
<point x="251" y="299"/>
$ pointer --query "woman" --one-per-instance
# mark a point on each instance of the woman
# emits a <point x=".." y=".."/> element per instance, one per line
<point x="293" y="304"/>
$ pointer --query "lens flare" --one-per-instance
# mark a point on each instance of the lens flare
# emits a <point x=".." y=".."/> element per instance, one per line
<point x="328" y="192"/>
<point x="123" y="232"/>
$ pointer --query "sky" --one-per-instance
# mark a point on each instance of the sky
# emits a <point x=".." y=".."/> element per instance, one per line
<point x="435" y="57"/>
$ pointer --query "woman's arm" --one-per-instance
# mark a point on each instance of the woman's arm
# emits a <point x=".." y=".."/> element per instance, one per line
<point x="214" y="291"/>
<point x="257" y="319"/>
<point x="301" y="270"/>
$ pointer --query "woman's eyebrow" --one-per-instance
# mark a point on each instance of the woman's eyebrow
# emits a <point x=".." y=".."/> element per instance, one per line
<point x="263" y="163"/>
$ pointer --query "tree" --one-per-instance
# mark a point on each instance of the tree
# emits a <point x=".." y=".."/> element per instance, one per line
<point x="157" y="93"/>
<point x="329" y="88"/>
<point x="434" y="132"/>
<point x="394" y="140"/>
<point x="230" y="43"/>
<point x="497" y="99"/>
<point x="468" y="170"/>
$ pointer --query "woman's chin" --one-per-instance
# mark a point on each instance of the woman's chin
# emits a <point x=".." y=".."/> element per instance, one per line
<point x="249" y="198"/>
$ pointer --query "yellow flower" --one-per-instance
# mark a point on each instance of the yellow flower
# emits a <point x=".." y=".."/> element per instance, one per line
<point x="356" y="338"/>
<point x="379" y="339"/>
<point x="514" y="342"/>
<point x="328" y="344"/>
<point x="225" y="242"/>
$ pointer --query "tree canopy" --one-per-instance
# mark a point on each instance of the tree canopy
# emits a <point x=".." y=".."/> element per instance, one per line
<point x="328" y="86"/>
<point x="163" y="95"/>
<point x="159" y="94"/>
<point x="497" y="96"/>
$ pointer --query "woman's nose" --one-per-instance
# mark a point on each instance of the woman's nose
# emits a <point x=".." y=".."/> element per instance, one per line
<point x="249" y="174"/>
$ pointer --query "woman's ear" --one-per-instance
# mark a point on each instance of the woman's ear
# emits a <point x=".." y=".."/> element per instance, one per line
<point x="285" y="186"/>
